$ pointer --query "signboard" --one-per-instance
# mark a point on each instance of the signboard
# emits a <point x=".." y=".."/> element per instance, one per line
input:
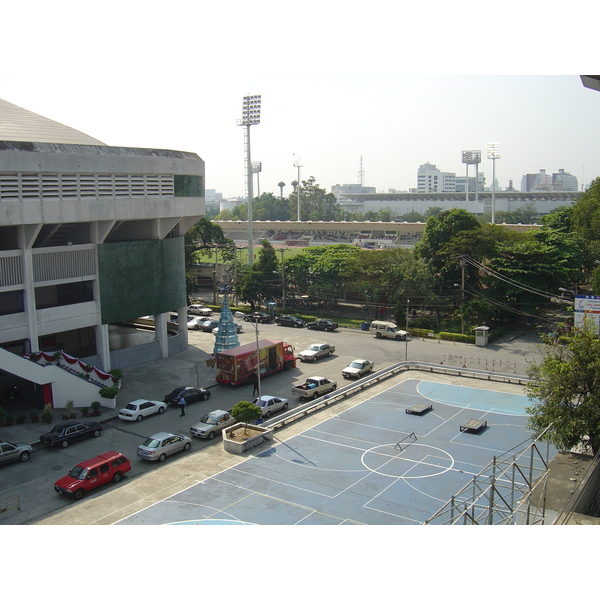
<point x="587" y="310"/>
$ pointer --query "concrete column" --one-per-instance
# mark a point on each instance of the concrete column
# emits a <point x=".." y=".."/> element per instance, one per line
<point x="103" y="346"/>
<point x="160" y="328"/>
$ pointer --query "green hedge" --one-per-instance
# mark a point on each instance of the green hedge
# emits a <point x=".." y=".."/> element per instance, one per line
<point x="457" y="337"/>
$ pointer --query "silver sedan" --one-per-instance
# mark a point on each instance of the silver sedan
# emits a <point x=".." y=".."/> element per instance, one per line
<point x="163" y="444"/>
<point x="271" y="404"/>
<point x="316" y="351"/>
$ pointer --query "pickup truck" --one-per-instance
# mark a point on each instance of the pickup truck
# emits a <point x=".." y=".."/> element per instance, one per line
<point x="314" y="387"/>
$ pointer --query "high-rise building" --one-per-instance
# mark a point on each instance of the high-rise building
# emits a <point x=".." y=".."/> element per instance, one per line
<point x="430" y="180"/>
<point x="564" y="182"/>
<point x="542" y="182"/>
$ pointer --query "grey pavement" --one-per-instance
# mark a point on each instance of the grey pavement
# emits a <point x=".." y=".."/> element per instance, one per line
<point x="511" y="354"/>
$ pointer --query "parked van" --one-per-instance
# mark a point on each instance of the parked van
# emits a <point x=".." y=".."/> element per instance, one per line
<point x="387" y="329"/>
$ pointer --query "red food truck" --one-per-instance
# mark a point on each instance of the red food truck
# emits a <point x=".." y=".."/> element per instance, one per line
<point x="238" y="365"/>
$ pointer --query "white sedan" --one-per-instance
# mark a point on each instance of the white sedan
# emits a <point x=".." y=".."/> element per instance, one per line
<point x="138" y="409"/>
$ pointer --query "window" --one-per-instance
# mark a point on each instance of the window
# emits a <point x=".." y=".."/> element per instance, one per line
<point x="188" y="185"/>
<point x="11" y="302"/>
<point x="104" y="468"/>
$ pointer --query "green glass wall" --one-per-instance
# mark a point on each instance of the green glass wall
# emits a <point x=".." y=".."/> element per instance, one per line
<point x="140" y="278"/>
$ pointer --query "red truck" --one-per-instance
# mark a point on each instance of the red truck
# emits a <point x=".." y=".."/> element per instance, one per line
<point x="238" y="365"/>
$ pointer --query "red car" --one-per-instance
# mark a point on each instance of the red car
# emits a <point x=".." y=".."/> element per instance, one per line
<point x="110" y="466"/>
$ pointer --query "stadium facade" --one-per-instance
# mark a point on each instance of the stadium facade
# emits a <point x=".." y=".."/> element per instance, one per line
<point x="91" y="238"/>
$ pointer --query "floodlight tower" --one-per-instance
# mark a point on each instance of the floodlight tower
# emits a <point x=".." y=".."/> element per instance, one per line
<point x="298" y="164"/>
<point x="471" y="157"/>
<point x="493" y="154"/>
<point x="250" y="116"/>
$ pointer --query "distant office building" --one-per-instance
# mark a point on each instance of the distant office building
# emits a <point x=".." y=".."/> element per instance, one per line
<point x="564" y="182"/>
<point x="431" y="180"/>
<point x="351" y="188"/>
<point x="542" y="182"/>
<point x="460" y="183"/>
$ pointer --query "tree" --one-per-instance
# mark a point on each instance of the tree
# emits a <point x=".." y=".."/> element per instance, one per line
<point x="564" y="392"/>
<point x="244" y="412"/>
<point x="261" y="283"/>
<point x="315" y="203"/>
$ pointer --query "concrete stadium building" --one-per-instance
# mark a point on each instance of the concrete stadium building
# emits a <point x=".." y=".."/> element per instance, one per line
<point x="91" y="236"/>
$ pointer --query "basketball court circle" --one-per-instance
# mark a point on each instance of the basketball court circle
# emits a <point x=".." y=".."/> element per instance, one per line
<point x="371" y="464"/>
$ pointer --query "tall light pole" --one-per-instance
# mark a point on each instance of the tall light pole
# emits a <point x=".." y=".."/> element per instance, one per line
<point x="250" y="116"/>
<point x="471" y="157"/>
<point x="406" y="336"/>
<point x="493" y="154"/>
<point x="298" y="164"/>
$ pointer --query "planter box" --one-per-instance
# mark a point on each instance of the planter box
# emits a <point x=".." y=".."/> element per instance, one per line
<point x="258" y="436"/>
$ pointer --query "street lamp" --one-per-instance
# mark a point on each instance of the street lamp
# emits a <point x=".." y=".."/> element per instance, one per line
<point x="493" y="154"/>
<point x="250" y="116"/>
<point x="257" y="168"/>
<point x="471" y="157"/>
<point x="406" y="333"/>
<point x="298" y="164"/>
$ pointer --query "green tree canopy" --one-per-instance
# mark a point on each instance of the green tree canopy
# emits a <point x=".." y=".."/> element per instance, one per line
<point x="244" y="412"/>
<point x="564" y="392"/>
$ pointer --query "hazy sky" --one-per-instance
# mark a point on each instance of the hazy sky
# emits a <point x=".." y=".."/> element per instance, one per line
<point x="396" y="84"/>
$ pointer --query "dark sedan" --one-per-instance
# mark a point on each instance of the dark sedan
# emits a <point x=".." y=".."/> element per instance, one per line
<point x="322" y="324"/>
<point x="189" y="394"/>
<point x="258" y="317"/>
<point x="60" y="436"/>
<point x="289" y="321"/>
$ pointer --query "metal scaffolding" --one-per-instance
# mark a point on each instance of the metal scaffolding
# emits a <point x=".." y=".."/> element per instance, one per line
<point x="510" y="490"/>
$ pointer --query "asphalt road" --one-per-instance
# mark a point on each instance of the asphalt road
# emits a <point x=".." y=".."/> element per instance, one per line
<point x="33" y="481"/>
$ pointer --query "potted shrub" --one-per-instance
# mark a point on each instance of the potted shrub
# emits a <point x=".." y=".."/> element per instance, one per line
<point x="96" y="408"/>
<point x="9" y="420"/>
<point x="242" y="436"/>
<point x="21" y="419"/>
<point x="117" y="376"/>
<point x="108" y="392"/>
<point x="84" y="411"/>
<point x="2" y="416"/>
<point x="47" y="414"/>
<point x="34" y="417"/>
<point x="71" y="412"/>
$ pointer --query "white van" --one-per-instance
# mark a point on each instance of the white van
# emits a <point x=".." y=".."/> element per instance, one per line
<point x="387" y="329"/>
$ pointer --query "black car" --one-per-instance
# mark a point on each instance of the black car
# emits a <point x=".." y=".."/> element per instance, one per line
<point x="258" y="317"/>
<point x="289" y="321"/>
<point x="322" y="324"/>
<point x="189" y="394"/>
<point x="60" y="436"/>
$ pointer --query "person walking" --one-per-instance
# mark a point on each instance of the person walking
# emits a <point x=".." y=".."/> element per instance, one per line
<point x="182" y="406"/>
<point x="254" y="384"/>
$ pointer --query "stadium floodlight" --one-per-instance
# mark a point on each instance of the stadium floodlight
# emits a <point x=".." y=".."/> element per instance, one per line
<point x="471" y="157"/>
<point x="250" y="116"/>
<point x="493" y="154"/>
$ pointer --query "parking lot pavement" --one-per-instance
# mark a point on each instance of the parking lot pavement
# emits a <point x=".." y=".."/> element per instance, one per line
<point x="153" y="380"/>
